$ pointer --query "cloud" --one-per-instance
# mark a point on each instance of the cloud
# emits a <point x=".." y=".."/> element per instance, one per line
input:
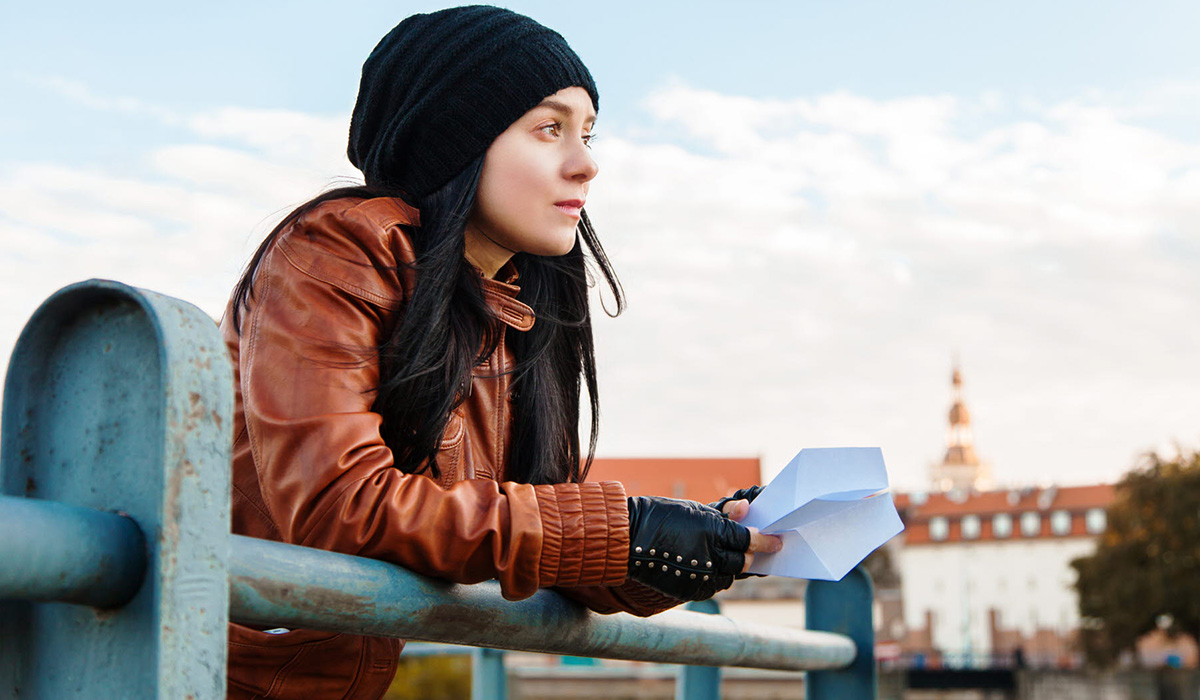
<point x="799" y="271"/>
<point x="83" y="96"/>
<point x="182" y="221"/>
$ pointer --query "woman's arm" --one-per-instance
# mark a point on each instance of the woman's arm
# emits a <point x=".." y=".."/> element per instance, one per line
<point x="307" y="374"/>
<point x="629" y="597"/>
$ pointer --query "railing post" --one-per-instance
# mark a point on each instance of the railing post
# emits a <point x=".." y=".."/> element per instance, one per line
<point x="489" y="679"/>
<point x="700" y="682"/>
<point x="121" y="400"/>
<point x="845" y="607"/>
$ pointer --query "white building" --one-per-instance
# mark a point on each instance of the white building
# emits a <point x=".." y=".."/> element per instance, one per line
<point x="987" y="572"/>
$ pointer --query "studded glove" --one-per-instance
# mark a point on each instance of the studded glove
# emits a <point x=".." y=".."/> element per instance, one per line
<point x="684" y="549"/>
<point x="746" y="494"/>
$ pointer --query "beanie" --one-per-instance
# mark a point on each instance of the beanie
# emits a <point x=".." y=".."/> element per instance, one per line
<point x="440" y="87"/>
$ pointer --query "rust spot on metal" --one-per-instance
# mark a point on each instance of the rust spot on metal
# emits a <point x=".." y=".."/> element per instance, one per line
<point x="171" y="505"/>
<point x="316" y="600"/>
<point x="216" y="418"/>
<point x="30" y="484"/>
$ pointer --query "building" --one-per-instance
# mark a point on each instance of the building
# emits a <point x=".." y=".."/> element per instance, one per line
<point x="987" y="572"/>
<point x="703" y="479"/>
<point x="960" y="468"/>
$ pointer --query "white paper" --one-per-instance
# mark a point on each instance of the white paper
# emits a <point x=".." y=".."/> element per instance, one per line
<point x="831" y="507"/>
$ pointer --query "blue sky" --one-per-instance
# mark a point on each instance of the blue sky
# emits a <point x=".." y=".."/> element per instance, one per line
<point x="813" y="204"/>
<point x="305" y="56"/>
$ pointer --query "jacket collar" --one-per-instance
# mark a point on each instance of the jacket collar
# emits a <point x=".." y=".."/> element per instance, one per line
<point x="502" y="297"/>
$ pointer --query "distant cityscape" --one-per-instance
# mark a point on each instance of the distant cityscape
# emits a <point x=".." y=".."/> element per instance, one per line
<point x="980" y="577"/>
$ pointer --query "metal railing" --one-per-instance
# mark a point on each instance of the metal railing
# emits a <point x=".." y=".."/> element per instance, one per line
<point x="118" y="574"/>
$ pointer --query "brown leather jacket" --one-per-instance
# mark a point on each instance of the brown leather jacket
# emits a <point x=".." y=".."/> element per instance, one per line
<point x="310" y="467"/>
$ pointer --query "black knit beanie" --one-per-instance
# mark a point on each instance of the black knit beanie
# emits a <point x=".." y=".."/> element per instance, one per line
<point x="440" y="87"/>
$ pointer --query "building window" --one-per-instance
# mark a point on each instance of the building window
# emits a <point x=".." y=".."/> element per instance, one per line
<point x="939" y="529"/>
<point x="1060" y="522"/>
<point x="1096" y="520"/>
<point x="970" y="527"/>
<point x="1001" y="525"/>
<point x="1031" y="524"/>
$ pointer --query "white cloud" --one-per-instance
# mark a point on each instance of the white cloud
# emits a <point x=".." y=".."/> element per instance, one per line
<point x="84" y="96"/>
<point x="863" y="241"/>
<point x="799" y="271"/>
<point x="183" y="224"/>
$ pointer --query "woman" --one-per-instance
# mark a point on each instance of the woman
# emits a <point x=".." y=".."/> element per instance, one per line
<point x="401" y="397"/>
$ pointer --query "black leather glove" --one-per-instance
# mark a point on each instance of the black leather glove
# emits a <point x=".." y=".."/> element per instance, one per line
<point x="684" y="549"/>
<point x="747" y="494"/>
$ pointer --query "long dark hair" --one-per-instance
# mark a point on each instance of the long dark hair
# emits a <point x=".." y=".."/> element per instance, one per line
<point x="446" y="329"/>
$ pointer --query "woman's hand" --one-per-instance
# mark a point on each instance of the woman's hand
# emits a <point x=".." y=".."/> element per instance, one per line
<point x="747" y="494"/>
<point x="688" y="550"/>
<point x="737" y="507"/>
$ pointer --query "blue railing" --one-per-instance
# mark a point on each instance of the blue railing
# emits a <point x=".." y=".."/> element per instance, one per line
<point x="118" y="574"/>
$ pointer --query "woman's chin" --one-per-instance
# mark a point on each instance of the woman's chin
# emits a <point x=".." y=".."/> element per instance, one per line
<point x="561" y="245"/>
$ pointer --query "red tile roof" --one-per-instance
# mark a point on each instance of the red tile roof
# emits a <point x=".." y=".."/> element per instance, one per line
<point x="917" y="509"/>
<point x="1007" y="501"/>
<point x="703" y="480"/>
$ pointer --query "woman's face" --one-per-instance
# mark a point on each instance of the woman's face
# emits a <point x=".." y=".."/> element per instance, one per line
<point x="534" y="182"/>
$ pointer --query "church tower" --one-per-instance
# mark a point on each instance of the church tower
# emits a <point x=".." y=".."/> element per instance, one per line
<point x="960" y="469"/>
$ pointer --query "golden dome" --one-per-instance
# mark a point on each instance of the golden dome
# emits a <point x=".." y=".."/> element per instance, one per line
<point x="961" y="454"/>
<point x="959" y="414"/>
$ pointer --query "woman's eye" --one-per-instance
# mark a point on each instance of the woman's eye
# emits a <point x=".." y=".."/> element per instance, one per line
<point x="552" y="129"/>
<point x="588" y="138"/>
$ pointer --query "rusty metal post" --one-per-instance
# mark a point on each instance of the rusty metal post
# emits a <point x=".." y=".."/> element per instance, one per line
<point x="121" y="400"/>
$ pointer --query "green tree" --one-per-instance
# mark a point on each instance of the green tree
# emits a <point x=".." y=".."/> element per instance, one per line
<point x="1145" y="573"/>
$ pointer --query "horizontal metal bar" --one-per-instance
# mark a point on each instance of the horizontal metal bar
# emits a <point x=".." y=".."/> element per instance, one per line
<point x="284" y="585"/>
<point x="57" y="552"/>
<point x="436" y="649"/>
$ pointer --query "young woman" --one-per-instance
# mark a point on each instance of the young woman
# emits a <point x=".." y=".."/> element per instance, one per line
<point x="410" y="354"/>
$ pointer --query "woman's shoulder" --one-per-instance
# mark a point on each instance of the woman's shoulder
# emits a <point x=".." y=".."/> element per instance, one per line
<point x="358" y="245"/>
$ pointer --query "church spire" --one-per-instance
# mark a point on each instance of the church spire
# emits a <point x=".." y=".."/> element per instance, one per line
<point x="960" y="468"/>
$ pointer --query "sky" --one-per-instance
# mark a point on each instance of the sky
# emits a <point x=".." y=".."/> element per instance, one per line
<point x="814" y="207"/>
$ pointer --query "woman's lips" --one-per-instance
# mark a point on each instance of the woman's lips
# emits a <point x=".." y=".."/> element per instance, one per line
<point x="570" y="207"/>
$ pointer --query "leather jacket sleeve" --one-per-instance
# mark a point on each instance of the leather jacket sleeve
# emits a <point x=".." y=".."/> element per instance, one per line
<point x="629" y="597"/>
<point x="307" y="371"/>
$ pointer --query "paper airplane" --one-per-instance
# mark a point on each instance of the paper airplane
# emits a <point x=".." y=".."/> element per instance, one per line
<point x="831" y="507"/>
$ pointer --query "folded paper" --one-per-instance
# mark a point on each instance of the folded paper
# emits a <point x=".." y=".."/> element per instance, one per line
<point x="831" y="507"/>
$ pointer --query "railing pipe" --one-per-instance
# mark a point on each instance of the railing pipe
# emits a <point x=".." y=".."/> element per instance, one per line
<point x="59" y="552"/>
<point x="289" y="586"/>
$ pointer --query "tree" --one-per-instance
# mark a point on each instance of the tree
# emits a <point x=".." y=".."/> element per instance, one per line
<point x="1145" y="573"/>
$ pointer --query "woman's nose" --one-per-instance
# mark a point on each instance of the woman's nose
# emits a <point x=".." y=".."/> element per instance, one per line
<point x="582" y="166"/>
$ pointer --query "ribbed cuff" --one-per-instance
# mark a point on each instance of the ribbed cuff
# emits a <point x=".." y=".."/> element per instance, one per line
<point x="644" y="600"/>
<point x="585" y="534"/>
